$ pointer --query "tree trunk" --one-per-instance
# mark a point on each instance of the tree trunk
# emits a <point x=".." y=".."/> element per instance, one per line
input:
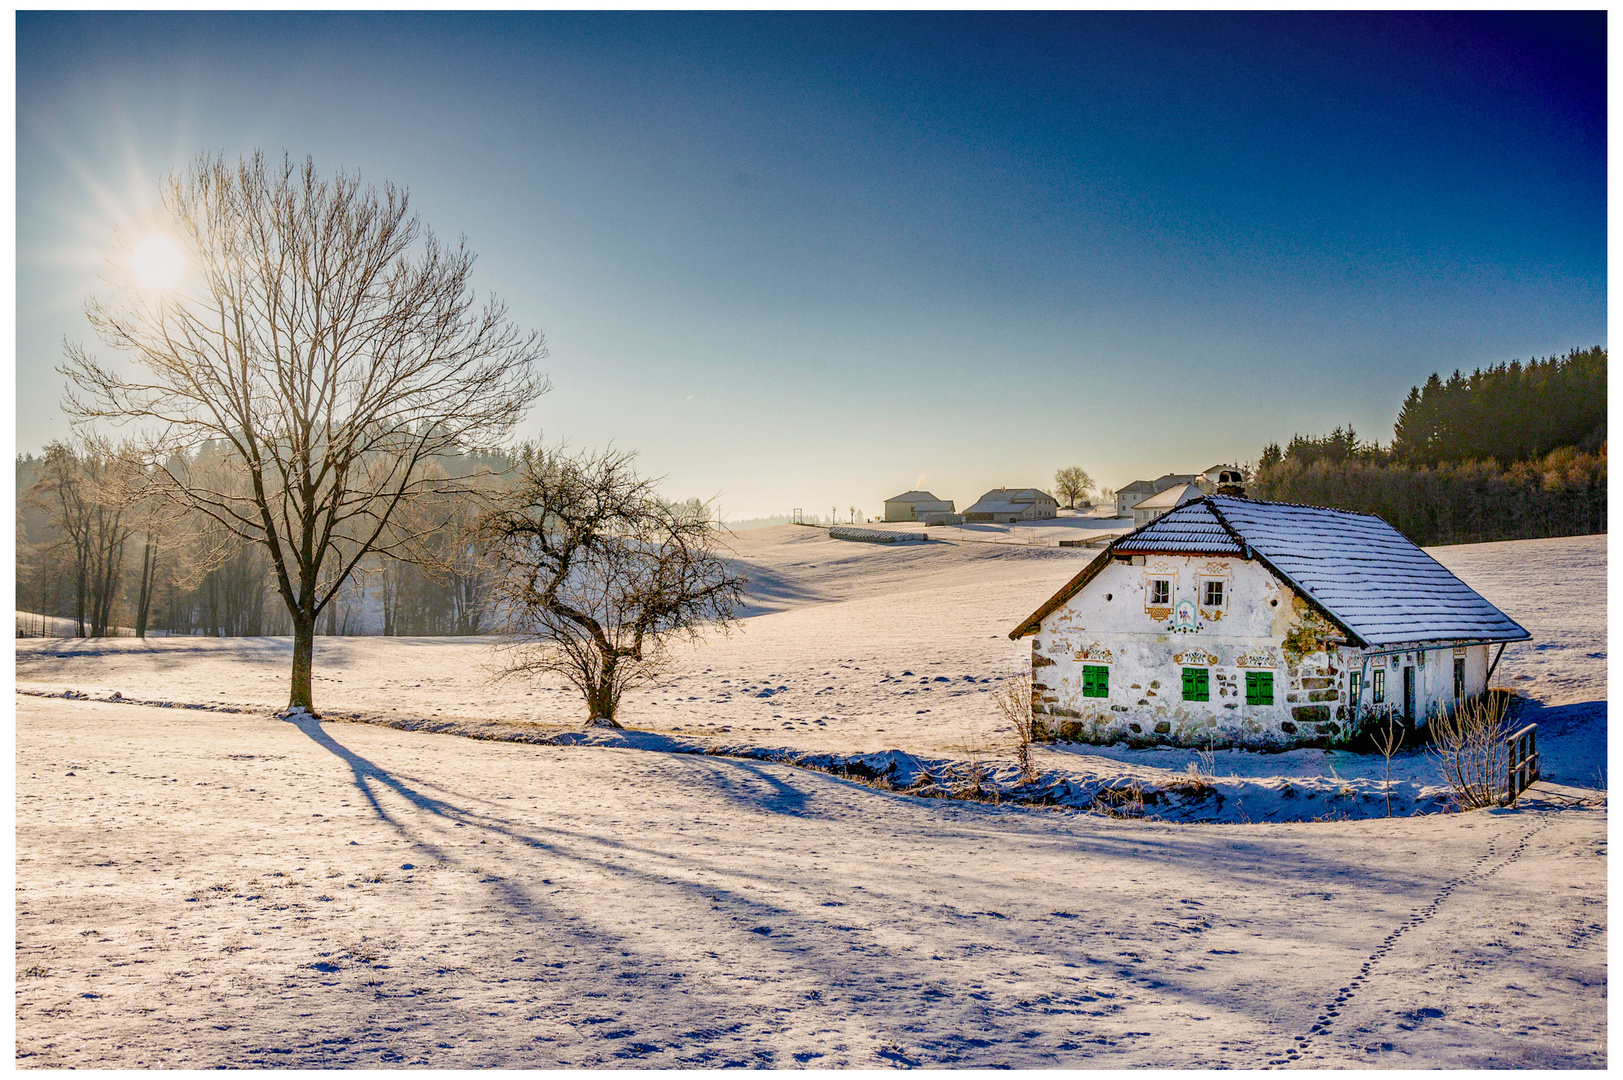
<point x="600" y="702"/>
<point x="143" y="605"/>
<point x="304" y="647"/>
<point x="79" y="598"/>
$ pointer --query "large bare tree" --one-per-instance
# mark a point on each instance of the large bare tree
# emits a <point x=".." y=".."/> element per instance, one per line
<point x="596" y="575"/>
<point x="1071" y="484"/>
<point x="325" y="335"/>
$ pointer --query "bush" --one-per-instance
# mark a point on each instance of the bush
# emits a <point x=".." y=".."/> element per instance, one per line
<point x="1469" y="746"/>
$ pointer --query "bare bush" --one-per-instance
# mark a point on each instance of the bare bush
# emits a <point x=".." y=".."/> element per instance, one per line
<point x="1388" y="738"/>
<point x="595" y="575"/>
<point x="1469" y="746"/>
<point x="1013" y="702"/>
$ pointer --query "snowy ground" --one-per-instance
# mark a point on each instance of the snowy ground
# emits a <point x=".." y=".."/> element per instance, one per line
<point x="600" y="906"/>
<point x="855" y="648"/>
<point x="200" y="890"/>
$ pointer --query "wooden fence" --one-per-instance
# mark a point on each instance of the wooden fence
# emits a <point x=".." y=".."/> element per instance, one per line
<point x="1523" y="762"/>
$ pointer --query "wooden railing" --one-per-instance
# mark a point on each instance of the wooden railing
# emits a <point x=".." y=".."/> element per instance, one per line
<point x="1523" y="762"/>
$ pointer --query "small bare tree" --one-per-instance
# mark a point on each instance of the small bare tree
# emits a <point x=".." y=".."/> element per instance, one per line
<point x="596" y="575"/>
<point x="1469" y="745"/>
<point x="329" y="340"/>
<point x="1013" y="702"/>
<point x="1071" y="485"/>
<point x="1388" y="737"/>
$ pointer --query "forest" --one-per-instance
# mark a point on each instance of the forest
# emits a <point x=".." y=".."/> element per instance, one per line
<point x="96" y="547"/>
<point x="1508" y="452"/>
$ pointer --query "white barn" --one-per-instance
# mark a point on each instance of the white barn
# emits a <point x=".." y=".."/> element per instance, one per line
<point x="1231" y="622"/>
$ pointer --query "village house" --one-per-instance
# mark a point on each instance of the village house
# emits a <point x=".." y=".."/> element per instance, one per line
<point x="1162" y="501"/>
<point x="1008" y="506"/>
<point x="913" y="505"/>
<point x="1132" y="494"/>
<point x="1232" y="622"/>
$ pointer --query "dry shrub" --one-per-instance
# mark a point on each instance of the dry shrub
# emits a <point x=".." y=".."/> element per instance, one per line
<point x="1013" y="702"/>
<point x="1469" y="746"/>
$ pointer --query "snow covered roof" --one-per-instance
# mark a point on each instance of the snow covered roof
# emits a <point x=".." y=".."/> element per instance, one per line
<point x="914" y="496"/>
<point x="1008" y="501"/>
<point x="1172" y="496"/>
<point x="1360" y="572"/>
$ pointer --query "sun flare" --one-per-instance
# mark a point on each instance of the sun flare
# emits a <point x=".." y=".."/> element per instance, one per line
<point x="157" y="262"/>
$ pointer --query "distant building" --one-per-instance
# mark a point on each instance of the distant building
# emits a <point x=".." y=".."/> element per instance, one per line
<point x="1162" y="501"/>
<point x="913" y="505"/>
<point x="1230" y="622"/>
<point x="1224" y="476"/>
<point x="1132" y="494"/>
<point x="1008" y="506"/>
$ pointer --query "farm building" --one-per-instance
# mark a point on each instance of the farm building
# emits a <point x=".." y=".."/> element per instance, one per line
<point x="1009" y="505"/>
<point x="1162" y="501"/>
<point x="913" y="505"/>
<point x="1132" y="494"/>
<point x="1231" y="622"/>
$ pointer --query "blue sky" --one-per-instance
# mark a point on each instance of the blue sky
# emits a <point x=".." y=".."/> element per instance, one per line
<point x="815" y="260"/>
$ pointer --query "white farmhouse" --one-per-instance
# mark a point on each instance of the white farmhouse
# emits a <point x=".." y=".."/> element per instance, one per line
<point x="1230" y="622"/>
<point x="913" y="505"/>
<point x="1163" y="501"/>
<point x="1008" y="505"/>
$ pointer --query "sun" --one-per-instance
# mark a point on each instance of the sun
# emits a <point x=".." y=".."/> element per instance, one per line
<point x="157" y="262"/>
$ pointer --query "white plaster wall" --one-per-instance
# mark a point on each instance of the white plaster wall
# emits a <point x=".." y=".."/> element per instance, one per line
<point x="1111" y="622"/>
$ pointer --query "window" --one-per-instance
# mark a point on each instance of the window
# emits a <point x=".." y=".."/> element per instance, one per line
<point x="1160" y="592"/>
<point x="1196" y="684"/>
<point x="1459" y="676"/>
<point x="1259" y="688"/>
<point x="1095" y="681"/>
<point x="1378" y="685"/>
<point x="1355" y="686"/>
<point x="1213" y="594"/>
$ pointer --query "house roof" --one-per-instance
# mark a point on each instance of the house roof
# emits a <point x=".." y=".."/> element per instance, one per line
<point x="1008" y="501"/>
<point x="1360" y="572"/>
<point x="914" y="496"/>
<point x="1220" y="468"/>
<point x="1172" y="496"/>
<point x="1137" y="485"/>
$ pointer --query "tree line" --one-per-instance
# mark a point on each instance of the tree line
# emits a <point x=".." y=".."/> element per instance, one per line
<point x="99" y="546"/>
<point x="1509" y="452"/>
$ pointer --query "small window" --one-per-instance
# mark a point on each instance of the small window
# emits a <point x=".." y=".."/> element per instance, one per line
<point x="1377" y="685"/>
<point x="1259" y="688"/>
<point x="1355" y="686"/>
<point x="1196" y="684"/>
<point x="1213" y="594"/>
<point x="1095" y="680"/>
<point x="1459" y="676"/>
<point x="1160" y="592"/>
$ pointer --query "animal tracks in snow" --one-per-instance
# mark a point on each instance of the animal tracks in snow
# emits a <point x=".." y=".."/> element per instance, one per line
<point x="1485" y="867"/>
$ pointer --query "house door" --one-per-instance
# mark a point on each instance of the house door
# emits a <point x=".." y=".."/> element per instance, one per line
<point x="1408" y="696"/>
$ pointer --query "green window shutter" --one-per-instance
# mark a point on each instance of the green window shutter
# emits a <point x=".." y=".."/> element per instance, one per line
<point x="1196" y="684"/>
<point x="1259" y="688"/>
<point x="1095" y="681"/>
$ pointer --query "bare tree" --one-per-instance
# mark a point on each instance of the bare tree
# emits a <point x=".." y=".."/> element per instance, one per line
<point x="1388" y="738"/>
<point x="596" y="575"/>
<point x="1071" y="485"/>
<point x="1013" y="703"/>
<point x="92" y="496"/>
<point x="330" y="341"/>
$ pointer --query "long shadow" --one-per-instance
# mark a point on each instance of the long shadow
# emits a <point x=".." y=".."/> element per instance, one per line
<point x="1224" y="861"/>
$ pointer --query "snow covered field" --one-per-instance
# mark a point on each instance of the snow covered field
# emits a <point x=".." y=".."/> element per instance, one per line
<point x="225" y="888"/>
